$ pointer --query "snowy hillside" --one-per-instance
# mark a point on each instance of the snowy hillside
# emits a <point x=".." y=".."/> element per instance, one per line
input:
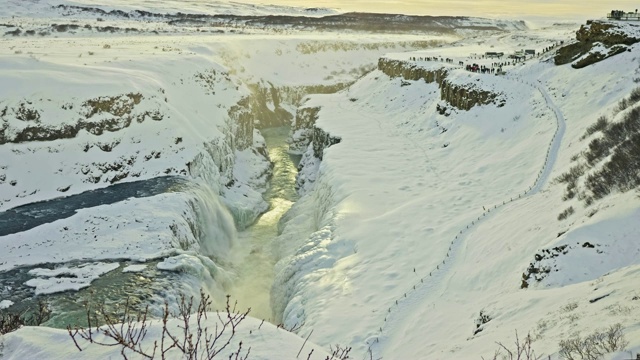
<point x="432" y="230"/>
<point x="129" y="160"/>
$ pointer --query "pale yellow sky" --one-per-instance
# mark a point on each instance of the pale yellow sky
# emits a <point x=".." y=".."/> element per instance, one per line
<point x="571" y="9"/>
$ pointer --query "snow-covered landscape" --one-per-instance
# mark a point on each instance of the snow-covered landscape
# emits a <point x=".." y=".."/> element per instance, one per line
<point x="401" y="187"/>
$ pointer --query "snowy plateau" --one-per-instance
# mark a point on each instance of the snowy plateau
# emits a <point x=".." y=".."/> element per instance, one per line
<point x="381" y="183"/>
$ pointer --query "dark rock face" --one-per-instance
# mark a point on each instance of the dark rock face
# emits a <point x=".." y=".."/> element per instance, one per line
<point x="598" y="56"/>
<point x="568" y="53"/>
<point x="607" y="33"/>
<point x="458" y="96"/>
<point x="410" y="71"/>
<point x="309" y="141"/>
<point x="305" y="132"/>
<point x="119" y="108"/>
<point x="610" y="35"/>
<point x="302" y="129"/>
<point x="463" y="98"/>
<point x="262" y="95"/>
<point x="241" y="117"/>
<point x="322" y="140"/>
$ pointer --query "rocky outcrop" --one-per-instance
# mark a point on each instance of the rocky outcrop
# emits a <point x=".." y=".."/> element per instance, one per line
<point x="302" y="129"/>
<point x="118" y="113"/>
<point x="309" y="141"/>
<point x="305" y="132"/>
<point x="462" y="97"/>
<point x="322" y="140"/>
<point x="596" y="41"/>
<point x="241" y="121"/>
<point x="266" y="106"/>
<point x="607" y="33"/>
<point x="411" y="71"/>
<point x="268" y="101"/>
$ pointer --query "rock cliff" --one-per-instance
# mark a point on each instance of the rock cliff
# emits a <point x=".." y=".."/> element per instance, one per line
<point x="460" y="96"/>
<point x="596" y="41"/>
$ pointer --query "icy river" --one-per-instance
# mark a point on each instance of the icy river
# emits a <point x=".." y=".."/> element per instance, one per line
<point x="249" y="270"/>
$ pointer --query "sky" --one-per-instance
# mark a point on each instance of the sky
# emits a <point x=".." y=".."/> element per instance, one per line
<point x="570" y="9"/>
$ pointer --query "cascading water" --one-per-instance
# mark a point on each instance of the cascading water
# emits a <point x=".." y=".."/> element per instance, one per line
<point x="209" y="254"/>
<point x="200" y="230"/>
<point x="215" y="229"/>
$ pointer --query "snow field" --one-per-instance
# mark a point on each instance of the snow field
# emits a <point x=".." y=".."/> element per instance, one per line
<point x="479" y="267"/>
<point x="179" y="78"/>
<point x="382" y="197"/>
<point x="407" y="191"/>
<point x="265" y="341"/>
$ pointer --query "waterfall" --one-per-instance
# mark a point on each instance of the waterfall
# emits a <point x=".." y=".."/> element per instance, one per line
<point x="215" y="230"/>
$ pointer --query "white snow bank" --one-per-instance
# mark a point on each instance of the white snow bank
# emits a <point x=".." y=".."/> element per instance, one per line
<point x="5" y="304"/>
<point x="103" y="232"/>
<point x="422" y="223"/>
<point x="134" y="268"/>
<point x="396" y="190"/>
<point x="604" y="244"/>
<point x="265" y="340"/>
<point x="64" y="278"/>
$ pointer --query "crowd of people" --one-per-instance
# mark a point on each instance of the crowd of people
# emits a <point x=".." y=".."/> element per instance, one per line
<point x="483" y="69"/>
<point x="493" y="68"/>
<point x="477" y="68"/>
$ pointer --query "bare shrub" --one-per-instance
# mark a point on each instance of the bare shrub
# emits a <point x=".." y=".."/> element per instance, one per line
<point x="634" y="97"/>
<point x="569" y="307"/>
<point x="106" y="46"/>
<point x="339" y="353"/>
<point x="622" y="105"/>
<point x="11" y="321"/>
<point x="566" y="213"/>
<point x="620" y="172"/>
<point x="129" y="331"/>
<point x="600" y="125"/>
<point x="595" y="345"/>
<point x="522" y="350"/>
<point x="618" y="148"/>
<point x="598" y="149"/>
<point x="571" y="179"/>
<point x="571" y="176"/>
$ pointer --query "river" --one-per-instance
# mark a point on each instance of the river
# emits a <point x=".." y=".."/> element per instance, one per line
<point x="254" y="255"/>
<point x="251" y="262"/>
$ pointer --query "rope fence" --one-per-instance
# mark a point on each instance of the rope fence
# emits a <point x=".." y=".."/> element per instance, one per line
<point x="458" y="238"/>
